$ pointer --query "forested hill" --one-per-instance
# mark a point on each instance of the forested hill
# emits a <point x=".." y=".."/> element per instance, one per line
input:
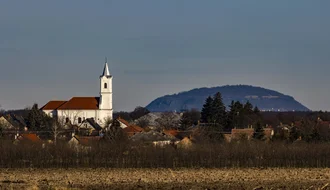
<point x="265" y="99"/>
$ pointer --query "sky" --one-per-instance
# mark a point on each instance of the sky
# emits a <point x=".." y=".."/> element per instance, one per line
<point x="54" y="50"/>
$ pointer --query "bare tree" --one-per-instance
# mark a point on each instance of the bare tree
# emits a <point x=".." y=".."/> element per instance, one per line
<point x="168" y="120"/>
<point x="71" y="114"/>
<point x="115" y="133"/>
<point x="2" y="127"/>
<point x="107" y="122"/>
<point x="56" y="130"/>
<point x="143" y="122"/>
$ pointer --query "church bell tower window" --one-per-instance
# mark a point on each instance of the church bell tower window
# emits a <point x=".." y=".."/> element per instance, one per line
<point x="105" y="85"/>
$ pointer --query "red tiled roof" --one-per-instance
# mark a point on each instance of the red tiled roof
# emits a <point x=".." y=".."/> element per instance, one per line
<point x="81" y="103"/>
<point x="31" y="137"/>
<point x="123" y="121"/>
<point x="133" y="129"/>
<point x="53" y="105"/>
<point x="130" y="129"/>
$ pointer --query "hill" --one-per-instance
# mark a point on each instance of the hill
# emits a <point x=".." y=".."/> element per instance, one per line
<point x="265" y="99"/>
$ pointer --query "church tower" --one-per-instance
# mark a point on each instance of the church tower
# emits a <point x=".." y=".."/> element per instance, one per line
<point x="105" y="104"/>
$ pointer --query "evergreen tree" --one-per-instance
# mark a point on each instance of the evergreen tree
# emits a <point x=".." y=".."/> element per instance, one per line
<point x="259" y="132"/>
<point x="234" y="115"/>
<point x="189" y="118"/>
<point x="248" y="108"/>
<point x="138" y="112"/>
<point x="37" y="120"/>
<point x="230" y="117"/>
<point x="206" y="114"/>
<point x="256" y="110"/>
<point x="218" y="110"/>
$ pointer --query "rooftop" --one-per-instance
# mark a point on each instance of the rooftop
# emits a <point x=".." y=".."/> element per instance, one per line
<point x="81" y="103"/>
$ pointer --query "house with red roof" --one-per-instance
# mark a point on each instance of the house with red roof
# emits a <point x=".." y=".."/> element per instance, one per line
<point x="78" y="109"/>
<point x="28" y="138"/>
<point x="128" y="128"/>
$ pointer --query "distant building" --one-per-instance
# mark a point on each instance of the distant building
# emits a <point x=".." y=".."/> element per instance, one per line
<point x="28" y="138"/>
<point x="129" y="129"/>
<point x="247" y="134"/>
<point x="12" y="122"/>
<point x="90" y="128"/>
<point x="239" y="134"/>
<point x="77" y="109"/>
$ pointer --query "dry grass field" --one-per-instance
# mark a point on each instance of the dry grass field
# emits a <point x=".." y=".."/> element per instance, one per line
<point x="271" y="178"/>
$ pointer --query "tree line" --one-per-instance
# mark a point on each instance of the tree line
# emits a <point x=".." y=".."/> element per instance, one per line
<point x="288" y="126"/>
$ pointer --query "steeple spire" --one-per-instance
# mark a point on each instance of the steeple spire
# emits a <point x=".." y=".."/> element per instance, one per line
<point x="106" y="68"/>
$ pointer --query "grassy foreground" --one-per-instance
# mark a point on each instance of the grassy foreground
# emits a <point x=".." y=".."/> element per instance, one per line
<point x="88" y="178"/>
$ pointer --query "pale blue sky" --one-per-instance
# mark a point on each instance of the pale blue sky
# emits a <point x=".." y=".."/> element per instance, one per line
<point x="55" y="49"/>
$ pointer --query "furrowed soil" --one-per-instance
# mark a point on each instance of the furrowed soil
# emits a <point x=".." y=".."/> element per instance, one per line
<point x="252" y="178"/>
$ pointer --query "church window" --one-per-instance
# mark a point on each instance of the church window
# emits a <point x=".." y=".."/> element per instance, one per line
<point x="105" y="85"/>
<point x="79" y="120"/>
<point x="67" y="120"/>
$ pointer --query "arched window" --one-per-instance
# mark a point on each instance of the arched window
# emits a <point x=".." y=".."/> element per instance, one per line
<point x="67" y="120"/>
<point x="105" y="85"/>
<point x="79" y="120"/>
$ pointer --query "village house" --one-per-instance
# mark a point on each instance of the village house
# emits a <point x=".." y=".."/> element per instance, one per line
<point x="247" y="134"/>
<point x="128" y="128"/>
<point x="77" y="109"/>
<point x="83" y="143"/>
<point x="89" y="128"/>
<point x="28" y="138"/>
<point x="12" y="122"/>
<point x="155" y="138"/>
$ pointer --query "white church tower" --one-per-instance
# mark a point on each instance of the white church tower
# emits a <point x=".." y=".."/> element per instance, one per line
<point x="105" y="104"/>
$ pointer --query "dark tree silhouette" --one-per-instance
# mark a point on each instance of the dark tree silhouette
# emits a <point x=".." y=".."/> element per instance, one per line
<point x="206" y="114"/>
<point x="189" y="118"/>
<point x="218" y="110"/>
<point x="259" y="132"/>
<point x="138" y="112"/>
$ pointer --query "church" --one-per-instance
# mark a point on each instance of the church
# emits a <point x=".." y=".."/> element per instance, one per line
<point x="78" y="109"/>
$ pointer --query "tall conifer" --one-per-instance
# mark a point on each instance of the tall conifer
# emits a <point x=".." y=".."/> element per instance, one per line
<point x="206" y="114"/>
<point x="218" y="110"/>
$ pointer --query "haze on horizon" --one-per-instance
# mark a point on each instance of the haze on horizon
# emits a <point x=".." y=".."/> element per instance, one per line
<point x="55" y="49"/>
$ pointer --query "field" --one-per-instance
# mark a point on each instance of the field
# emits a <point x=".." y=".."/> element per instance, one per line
<point x="271" y="178"/>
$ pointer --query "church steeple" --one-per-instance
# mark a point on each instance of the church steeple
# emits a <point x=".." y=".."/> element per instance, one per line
<point x="106" y="68"/>
<point x="105" y="102"/>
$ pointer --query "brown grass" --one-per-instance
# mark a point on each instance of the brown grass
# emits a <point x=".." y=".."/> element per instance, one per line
<point x="107" y="155"/>
<point x="88" y="178"/>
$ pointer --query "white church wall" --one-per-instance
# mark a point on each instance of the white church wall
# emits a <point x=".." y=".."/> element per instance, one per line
<point x="74" y="115"/>
<point x="51" y="113"/>
<point x="104" y="115"/>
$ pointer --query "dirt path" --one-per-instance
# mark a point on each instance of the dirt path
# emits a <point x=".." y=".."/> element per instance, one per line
<point x="164" y="179"/>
